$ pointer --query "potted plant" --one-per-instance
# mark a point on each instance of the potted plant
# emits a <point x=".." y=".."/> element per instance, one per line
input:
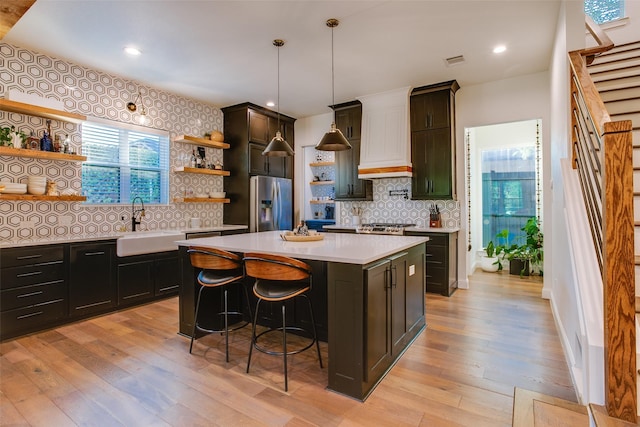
<point x="529" y="255"/>
<point x="495" y="254"/>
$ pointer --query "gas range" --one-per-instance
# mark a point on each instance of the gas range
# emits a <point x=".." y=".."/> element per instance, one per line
<point x="383" y="228"/>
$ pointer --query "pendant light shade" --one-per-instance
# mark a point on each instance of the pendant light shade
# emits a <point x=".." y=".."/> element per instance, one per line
<point x="333" y="140"/>
<point x="278" y="147"/>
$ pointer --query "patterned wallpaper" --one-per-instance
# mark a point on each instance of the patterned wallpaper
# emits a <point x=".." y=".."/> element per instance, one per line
<point x="397" y="209"/>
<point x="97" y="94"/>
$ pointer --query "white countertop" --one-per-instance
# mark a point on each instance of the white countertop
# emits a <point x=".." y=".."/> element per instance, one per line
<point x="411" y="229"/>
<point x="335" y="247"/>
<point x="107" y="236"/>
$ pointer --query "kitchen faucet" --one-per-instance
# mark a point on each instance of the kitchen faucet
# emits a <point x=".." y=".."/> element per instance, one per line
<point x="135" y="211"/>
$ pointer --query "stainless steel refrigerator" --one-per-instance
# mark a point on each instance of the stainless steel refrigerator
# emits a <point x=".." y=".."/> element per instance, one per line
<point x="271" y="204"/>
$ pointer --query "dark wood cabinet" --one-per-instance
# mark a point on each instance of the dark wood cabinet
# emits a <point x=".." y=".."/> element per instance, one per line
<point x="92" y="288"/>
<point x="441" y="262"/>
<point x="377" y="320"/>
<point x="248" y="128"/>
<point x="432" y="165"/>
<point x="144" y="277"/>
<point x="433" y="147"/>
<point x="348" y="118"/>
<point x="33" y="288"/>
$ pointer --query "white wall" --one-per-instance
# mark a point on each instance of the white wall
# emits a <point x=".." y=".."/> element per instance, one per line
<point x="504" y="101"/>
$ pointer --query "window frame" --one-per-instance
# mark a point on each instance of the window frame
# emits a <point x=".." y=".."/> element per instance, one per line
<point x="123" y="165"/>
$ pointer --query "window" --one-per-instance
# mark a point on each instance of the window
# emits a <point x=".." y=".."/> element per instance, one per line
<point x="602" y="11"/>
<point x="124" y="161"/>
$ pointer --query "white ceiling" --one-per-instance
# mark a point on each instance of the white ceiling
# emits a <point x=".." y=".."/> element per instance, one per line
<point x="221" y="52"/>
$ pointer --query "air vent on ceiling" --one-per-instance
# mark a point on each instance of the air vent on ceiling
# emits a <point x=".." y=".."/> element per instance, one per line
<point x="454" y="60"/>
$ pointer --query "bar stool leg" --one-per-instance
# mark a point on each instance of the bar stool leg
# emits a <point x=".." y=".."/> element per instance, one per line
<point x="226" y="323"/>
<point x="253" y="335"/>
<point x="284" y="347"/>
<point x="195" y="319"/>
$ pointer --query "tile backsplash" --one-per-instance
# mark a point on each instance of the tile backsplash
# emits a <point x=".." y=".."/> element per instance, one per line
<point x="97" y="94"/>
<point x="397" y="209"/>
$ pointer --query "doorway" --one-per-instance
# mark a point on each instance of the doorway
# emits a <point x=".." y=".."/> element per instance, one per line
<point x="504" y="182"/>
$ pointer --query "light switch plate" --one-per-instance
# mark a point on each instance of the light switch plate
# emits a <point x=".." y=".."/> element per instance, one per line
<point x="412" y="270"/>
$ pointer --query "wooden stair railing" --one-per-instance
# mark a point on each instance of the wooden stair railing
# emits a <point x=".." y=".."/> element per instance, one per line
<point x="602" y="155"/>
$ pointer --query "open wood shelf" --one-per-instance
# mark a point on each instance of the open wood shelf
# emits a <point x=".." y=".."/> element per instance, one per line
<point x="317" y="164"/>
<point x="37" y="154"/>
<point x="35" y="110"/>
<point x="31" y="197"/>
<point x="322" y="202"/>
<point x="200" y="200"/>
<point x="185" y="169"/>
<point x="322" y="183"/>
<point x="201" y="141"/>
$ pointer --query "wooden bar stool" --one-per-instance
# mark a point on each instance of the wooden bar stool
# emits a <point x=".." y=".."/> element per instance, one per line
<point x="279" y="279"/>
<point x="219" y="269"/>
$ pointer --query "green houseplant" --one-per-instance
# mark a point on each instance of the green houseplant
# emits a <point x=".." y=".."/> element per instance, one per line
<point x="529" y="254"/>
<point x="495" y="253"/>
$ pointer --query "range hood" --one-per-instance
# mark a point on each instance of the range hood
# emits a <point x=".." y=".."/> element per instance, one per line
<point x="385" y="150"/>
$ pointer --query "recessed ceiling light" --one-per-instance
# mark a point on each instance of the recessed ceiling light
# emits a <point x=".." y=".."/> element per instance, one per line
<point x="271" y="104"/>
<point x="133" y="51"/>
<point x="499" y="49"/>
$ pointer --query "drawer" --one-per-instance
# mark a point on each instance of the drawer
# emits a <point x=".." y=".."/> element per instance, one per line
<point x="436" y="275"/>
<point x="14" y="257"/>
<point x="32" y="295"/>
<point x="438" y="240"/>
<point x="26" y="319"/>
<point x="32" y="274"/>
<point x="436" y="255"/>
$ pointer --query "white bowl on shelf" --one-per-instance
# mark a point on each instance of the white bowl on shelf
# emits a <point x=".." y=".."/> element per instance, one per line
<point x="218" y="194"/>
<point x="14" y="188"/>
<point x="36" y="190"/>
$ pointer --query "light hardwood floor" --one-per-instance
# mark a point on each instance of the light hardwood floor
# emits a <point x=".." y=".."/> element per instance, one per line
<point x="131" y="368"/>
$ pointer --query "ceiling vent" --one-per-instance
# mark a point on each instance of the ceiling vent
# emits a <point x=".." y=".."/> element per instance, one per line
<point x="454" y="60"/>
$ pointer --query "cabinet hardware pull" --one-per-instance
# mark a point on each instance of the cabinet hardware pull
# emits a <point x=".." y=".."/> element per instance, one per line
<point x="24" y="316"/>
<point x="82" y="307"/>
<point x="29" y="256"/>
<point x="31" y="294"/>
<point x="394" y="276"/>
<point x="94" y="253"/>
<point x="32" y="273"/>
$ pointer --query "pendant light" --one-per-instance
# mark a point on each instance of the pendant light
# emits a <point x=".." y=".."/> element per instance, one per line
<point x="333" y="140"/>
<point x="278" y="147"/>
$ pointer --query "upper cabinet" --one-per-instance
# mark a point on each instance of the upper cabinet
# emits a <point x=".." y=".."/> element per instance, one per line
<point x="433" y="141"/>
<point x="248" y="128"/>
<point x="348" y="117"/>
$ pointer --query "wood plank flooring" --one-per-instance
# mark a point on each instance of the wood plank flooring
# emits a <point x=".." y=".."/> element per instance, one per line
<point x="130" y="368"/>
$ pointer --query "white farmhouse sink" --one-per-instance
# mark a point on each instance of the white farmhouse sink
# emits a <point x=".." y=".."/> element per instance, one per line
<point x="146" y="242"/>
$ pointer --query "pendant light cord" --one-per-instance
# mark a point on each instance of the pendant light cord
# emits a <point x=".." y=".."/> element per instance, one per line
<point x="278" y="88"/>
<point x="333" y="84"/>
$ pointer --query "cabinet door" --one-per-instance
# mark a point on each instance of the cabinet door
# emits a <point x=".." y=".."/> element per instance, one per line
<point x="167" y="275"/>
<point x="415" y="289"/>
<point x="432" y="164"/>
<point x="258" y="164"/>
<point x="258" y="128"/>
<point x="377" y="320"/>
<point x="91" y="285"/>
<point x="344" y="175"/>
<point x="135" y="281"/>
<point x="349" y="121"/>
<point x="430" y="110"/>
<point x="398" y="285"/>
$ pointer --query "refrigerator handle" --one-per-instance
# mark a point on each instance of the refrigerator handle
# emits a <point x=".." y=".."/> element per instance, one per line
<point x="275" y="205"/>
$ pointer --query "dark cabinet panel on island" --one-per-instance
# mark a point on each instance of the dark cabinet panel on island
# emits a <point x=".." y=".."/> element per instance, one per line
<point x="441" y="262"/>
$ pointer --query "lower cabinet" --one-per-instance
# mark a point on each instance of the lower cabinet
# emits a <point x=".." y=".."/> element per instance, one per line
<point x="91" y="285"/>
<point x="43" y="286"/>
<point x="382" y="308"/>
<point x="442" y="262"/>
<point x="33" y="288"/>
<point x="144" y="277"/>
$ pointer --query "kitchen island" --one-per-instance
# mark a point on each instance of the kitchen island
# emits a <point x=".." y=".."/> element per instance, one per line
<point x="373" y="290"/>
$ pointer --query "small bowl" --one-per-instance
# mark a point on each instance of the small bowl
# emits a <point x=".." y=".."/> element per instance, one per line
<point x="201" y="196"/>
<point x="218" y="194"/>
<point x="36" y="190"/>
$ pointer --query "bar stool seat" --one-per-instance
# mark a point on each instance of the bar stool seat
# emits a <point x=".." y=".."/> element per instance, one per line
<point x="219" y="269"/>
<point x="280" y="279"/>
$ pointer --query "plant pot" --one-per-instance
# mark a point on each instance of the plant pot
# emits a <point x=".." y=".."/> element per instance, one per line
<point x="519" y="267"/>
<point x="489" y="264"/>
